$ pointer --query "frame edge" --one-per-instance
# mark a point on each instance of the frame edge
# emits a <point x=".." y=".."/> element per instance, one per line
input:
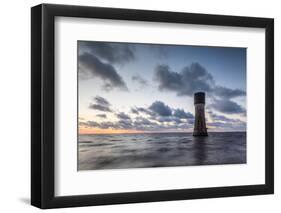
<point x="269" y="117"/>
<point x="36" y="49"/>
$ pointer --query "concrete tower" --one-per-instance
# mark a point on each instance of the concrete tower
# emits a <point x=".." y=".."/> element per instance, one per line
<point x="200" y="123"/>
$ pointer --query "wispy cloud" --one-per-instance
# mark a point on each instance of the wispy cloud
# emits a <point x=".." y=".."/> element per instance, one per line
<point x="94" y="67"/>
<point x="114" y="53"/>
<point x="140" y="80"/>
<point x="102" y="101"/>
<point x="101" y="115"/>
<point x="101" y="104"/>
<point x="227" y="106"/>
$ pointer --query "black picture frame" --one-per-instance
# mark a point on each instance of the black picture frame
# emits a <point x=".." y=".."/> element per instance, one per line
<point x="43" y="102"/>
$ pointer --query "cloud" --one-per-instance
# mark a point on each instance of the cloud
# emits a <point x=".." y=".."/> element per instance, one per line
<point x="89" y="123"/>
<point x="142" y="124"/>
<point x="124" y="124"/>
<point x="101" y="115"/>
<point x="160" y="112"/>
<point x="102" y="125"/>
<point x="134" y="111"/>
<point x="144" y="110"/>
<point x="227" y="106"/>
<point x="239" y="126"/>
<point x="225" y="123"/>
<point x="161" y="117"/>
<point x="221" y="118"/>
<point x="158" y="116"/>
<point x="224" y="92"/>
<point x="191" y="79"/>
<point x="101" y="104"/>
<point x="180" y="113"/>
<point x="100" y="107"/>
<point x="102" y="101"/>
<point x="116" y="53"/>
<point x="196" y="78"/>
<point x="123" y="116"/>
<point x="167" y="119"/>
<point x="121" y="124"/>
<point x="167" y="79"/>
<point x="141" y="121"/>
<point x="93" y="67"/>
<point x="140" y="80"/>
<point x="160" y="108"/>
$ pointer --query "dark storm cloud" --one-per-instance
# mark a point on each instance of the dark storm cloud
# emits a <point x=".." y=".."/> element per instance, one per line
<point x="139" y="79"/>
<point x="93" y="67"/>
<point x="160" y="112"/>
<point x="102" y="101"/>
<point x="123" y="116"/>
<point x="160" y="108"/>
<point x="224" y="92"/>
<point x="100" y="107"/>
<point x="227" y="106"/>
<point x="196" y="78"/>
<point x="167" y="79"/>
<point x="101" y="104"/>
<point x="101" y="115"/>
<point x="144" y="110"/>
<point x="180" y="113"/>
<point x="191" y="79"/>
<point x="124" y="124"/>
<point x="117" y="53"/>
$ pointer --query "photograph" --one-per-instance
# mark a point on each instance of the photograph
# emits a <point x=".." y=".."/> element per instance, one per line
<point x="143" y="105"/>
<point x="139" y="105"/>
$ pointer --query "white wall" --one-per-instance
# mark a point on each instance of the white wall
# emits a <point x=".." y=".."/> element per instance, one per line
<point x="15" y="105"/>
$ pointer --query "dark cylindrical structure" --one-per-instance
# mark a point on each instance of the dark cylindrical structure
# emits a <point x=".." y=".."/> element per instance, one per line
<point x="199" y="123"/>
<point x="199" y="98"/>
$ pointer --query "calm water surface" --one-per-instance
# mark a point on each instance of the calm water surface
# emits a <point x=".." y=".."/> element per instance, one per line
<point x="119" y="151"/>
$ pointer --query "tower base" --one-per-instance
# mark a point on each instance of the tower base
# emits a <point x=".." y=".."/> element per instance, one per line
<point x="200" y="134"/>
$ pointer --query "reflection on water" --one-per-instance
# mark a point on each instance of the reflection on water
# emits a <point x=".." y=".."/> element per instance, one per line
<point x="199" y="150"/>
<point x="118" y="151"/>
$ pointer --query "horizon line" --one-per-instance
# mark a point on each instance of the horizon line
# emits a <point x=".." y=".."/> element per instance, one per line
<point x="135" y="133"/>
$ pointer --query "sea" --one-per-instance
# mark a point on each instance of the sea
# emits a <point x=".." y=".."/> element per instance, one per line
<point x="145" y="150"/>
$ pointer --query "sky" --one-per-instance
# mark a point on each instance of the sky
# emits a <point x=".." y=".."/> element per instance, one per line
<point x="135" y="88"/>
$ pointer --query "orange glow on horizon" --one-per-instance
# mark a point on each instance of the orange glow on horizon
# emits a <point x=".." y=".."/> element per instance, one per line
<point x="107" y="131"/>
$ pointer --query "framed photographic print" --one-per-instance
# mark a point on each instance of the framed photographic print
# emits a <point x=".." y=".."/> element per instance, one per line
<point x="139" y="106"/>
